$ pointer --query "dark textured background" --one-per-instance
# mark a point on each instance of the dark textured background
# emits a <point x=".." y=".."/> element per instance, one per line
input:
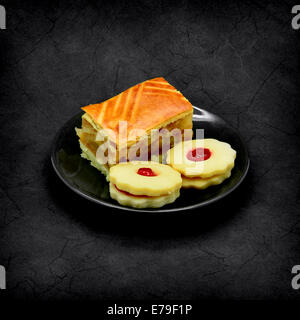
<point x="238" y="60"/>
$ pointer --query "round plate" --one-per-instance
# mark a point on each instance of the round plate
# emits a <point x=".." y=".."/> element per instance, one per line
<point x="81" y="177"/>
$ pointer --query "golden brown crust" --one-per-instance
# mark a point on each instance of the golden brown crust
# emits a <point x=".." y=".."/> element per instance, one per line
<point x="151" y="104"/>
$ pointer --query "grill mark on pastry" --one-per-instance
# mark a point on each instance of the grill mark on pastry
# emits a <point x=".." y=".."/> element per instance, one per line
<point x="161" y="89"/>
<point x="101" y="112"/>
<point x="157" y="94"/>
<point x="151" y="93"/>
<point x="130" y="111"/>
<point x="158" y="82"/>
<point x="127" y="102"/>
<point x="134" y="92"/>
<point x="116" y="105"/>
<point x="137" y="101"/>
<point x="97" y="112"/>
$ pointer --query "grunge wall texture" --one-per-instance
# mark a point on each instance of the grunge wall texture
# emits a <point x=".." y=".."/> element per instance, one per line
<point x="239" y="60"/>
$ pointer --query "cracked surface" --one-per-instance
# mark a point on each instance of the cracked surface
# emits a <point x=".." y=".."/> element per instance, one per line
<point x="240" y="61"/>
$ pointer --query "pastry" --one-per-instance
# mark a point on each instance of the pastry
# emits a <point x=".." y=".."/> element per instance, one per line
<point x="150" y="105"/>
<point x="202" y="163"/>
<point x="144" y="184"/>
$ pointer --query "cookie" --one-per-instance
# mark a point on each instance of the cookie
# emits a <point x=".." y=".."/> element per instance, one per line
<point x="145" y="178"/>
<point x="127" y="199"/>
<point x="203" y="158"/>
<point x="199" y="183"/>
<point x="144" y="184"/>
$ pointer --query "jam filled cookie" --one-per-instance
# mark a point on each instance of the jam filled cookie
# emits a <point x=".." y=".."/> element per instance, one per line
<point x="128" y="199"/>
<point x="144" y="184"/>
<point x="199" y="183"/>
<point x="202" y="163"/>
<point x="203" y="158"/>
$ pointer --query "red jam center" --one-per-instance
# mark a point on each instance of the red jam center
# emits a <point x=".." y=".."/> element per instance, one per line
<point x="147" y="172"/>
<point x="198" y="154"/>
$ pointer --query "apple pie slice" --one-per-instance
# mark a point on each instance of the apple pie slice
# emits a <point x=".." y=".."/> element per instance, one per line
<point x="127" y="121"/>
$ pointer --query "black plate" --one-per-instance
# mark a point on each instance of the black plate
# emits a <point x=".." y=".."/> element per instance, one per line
<point x="88" y="182"/>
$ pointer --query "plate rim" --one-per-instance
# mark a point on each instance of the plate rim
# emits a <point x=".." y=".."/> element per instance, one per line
<point x="153" y="210"/>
